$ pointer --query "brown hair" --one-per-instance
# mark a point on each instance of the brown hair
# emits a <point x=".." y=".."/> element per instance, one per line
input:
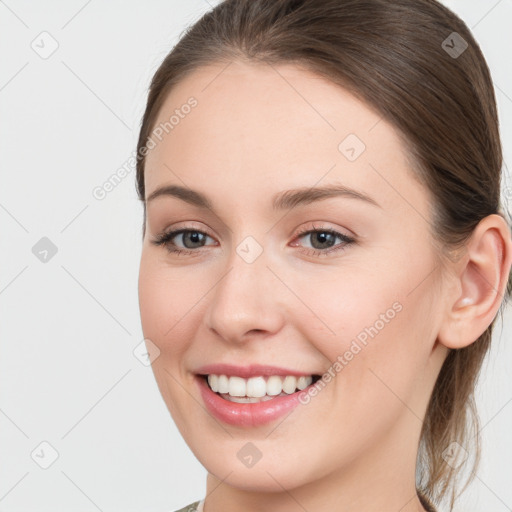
<point x="401" y="58"/>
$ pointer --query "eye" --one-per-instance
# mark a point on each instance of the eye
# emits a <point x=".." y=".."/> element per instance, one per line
<point x="323" y="239"/>
<point x="191" y="238"/>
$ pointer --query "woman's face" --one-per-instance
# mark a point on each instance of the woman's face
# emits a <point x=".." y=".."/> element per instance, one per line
<point x="357" y="299"/>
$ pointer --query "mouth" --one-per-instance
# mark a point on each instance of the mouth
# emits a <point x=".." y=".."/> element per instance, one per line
<point x="256" y="389"/>
<point x="254" y="395"/>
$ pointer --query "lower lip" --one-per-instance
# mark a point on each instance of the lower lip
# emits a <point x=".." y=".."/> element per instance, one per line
<point x="248" y="414"/>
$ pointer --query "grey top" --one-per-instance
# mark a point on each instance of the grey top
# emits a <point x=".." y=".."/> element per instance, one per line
<point x="197" y="506"/>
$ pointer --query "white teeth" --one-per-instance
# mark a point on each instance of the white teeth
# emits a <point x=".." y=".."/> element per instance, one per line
<point x="247" y="399"/>
<point x="257" y="387"/>
<point x="274" y="385"/>
<point x="213" y="380"/>
<point x="237" y="386"/>
<point x="289" y="384"/>
<point x="303" y="382"/>
<point x="223" y="383"/>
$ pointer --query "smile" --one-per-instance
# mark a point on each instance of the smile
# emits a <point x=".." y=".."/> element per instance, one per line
<point x="257" y="389"/>
<point x="257" y="398"/>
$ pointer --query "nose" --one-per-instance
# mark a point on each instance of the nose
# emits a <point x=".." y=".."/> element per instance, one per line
<point x="247" y="301"/>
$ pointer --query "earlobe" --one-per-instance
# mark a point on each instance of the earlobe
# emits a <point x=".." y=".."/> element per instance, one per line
<point x="482" y="280"/>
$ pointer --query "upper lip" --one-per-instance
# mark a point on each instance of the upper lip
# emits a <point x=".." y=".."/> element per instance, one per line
<point x="246" y="372"/>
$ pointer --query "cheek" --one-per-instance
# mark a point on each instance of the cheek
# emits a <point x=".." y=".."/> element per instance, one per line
<point x="373" y="331"/>
<point x="165" y="302"/>
<point x="345" y="306"/>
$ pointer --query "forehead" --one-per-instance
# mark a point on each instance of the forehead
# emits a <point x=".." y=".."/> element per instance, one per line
<point x="268" y="127"/>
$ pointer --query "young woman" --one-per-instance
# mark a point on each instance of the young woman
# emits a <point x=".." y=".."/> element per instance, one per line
<point x="324" y="250"/>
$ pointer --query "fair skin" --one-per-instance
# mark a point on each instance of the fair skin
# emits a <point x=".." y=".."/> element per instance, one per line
<point x="256" y="131"/>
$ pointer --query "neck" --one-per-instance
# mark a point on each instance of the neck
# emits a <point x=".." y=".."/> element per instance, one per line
<point x="381" y="478"/>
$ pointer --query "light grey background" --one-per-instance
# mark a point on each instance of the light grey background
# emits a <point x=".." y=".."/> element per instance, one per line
<point x="69" y="326"/>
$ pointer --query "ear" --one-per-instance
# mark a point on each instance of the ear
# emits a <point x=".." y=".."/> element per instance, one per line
<point x="481" y="283"/>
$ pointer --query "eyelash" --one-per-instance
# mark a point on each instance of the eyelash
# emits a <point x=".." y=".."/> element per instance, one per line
<point x="165" y="239"/>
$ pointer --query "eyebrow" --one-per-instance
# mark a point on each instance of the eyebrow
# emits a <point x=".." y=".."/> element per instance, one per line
<point x="283" y="200"/>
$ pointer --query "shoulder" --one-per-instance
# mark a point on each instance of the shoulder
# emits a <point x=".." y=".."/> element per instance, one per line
<point x="193" y="507"/>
